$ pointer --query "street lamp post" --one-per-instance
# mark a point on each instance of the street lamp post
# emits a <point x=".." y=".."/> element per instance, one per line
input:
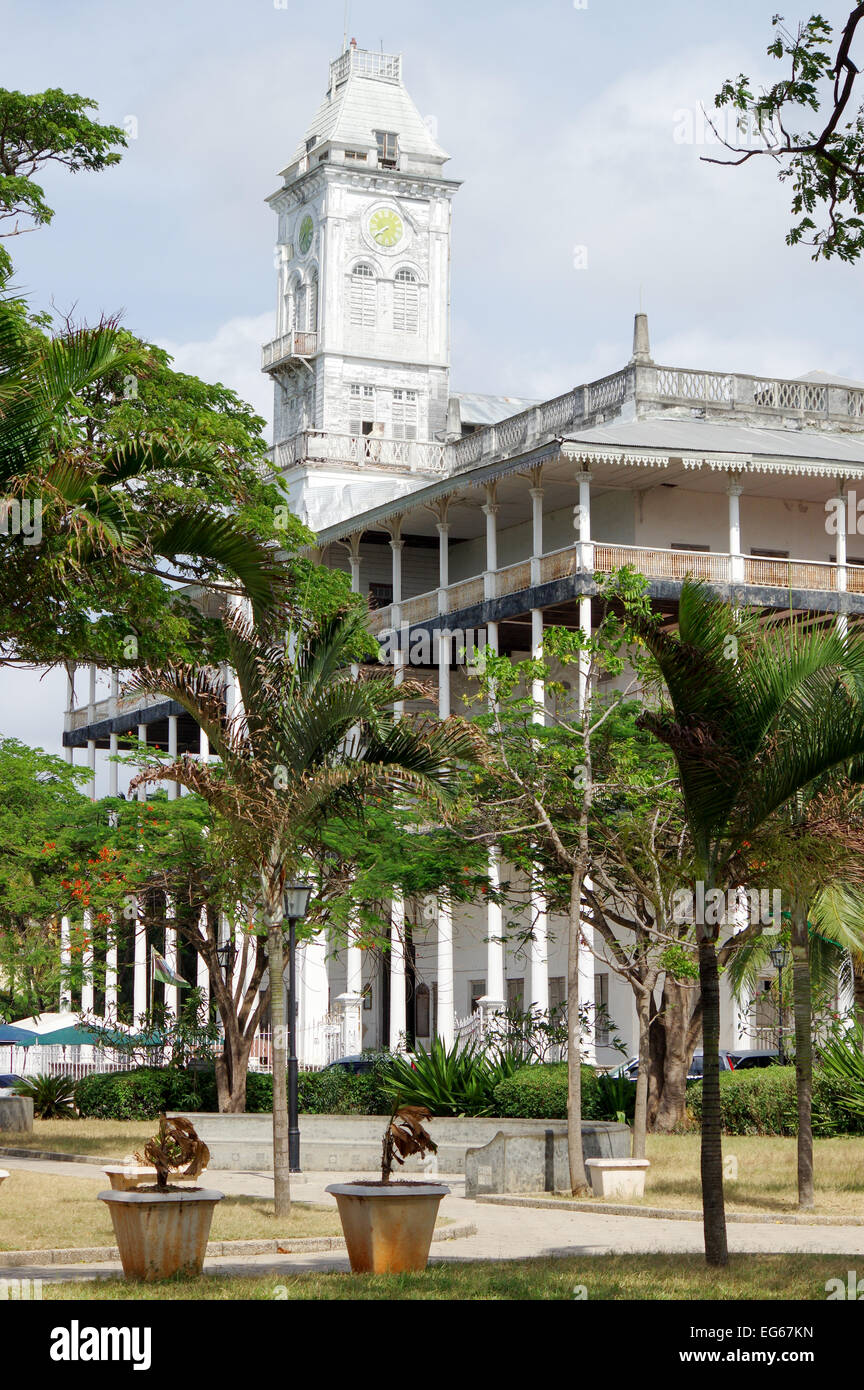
<point x="779" y="959"/>
<point x="295" y="901"/>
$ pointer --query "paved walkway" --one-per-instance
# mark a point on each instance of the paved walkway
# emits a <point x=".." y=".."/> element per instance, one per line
<point x="503" y="1233"/>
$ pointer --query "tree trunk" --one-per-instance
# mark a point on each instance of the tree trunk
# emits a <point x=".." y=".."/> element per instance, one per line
<point x="640" y="1115"/>
<point x="803" y="1050"/>
<point x="713" y="1207"/>
<point x="576" y="1156"/>
<point x="279" y="1050"/>
<point x="232" y="1066"/>
<point x="674" y="1033"/>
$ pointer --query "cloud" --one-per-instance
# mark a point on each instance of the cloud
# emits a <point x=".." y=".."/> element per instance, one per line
<point x="233" y="357"/>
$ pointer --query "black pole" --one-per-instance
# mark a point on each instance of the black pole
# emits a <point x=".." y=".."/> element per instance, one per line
<point x="293" y="1126"/>
<point x="780" y="1057"/>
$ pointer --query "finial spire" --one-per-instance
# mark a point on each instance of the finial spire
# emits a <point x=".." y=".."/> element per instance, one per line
<point x="641" y="339"/>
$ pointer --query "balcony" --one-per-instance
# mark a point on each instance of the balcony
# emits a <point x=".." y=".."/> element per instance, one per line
<point x="320" y="446"/>
<point x="290" y="346"/>
<point x="712" y="567"/>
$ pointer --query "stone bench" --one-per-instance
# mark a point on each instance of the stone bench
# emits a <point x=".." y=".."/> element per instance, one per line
<point x="538" y="1161"/>
<point x="617" y="1177"/>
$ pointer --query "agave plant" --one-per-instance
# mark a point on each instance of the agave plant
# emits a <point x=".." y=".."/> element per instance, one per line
<point x="842" y="1061"/>
<point x="450" y="1081"/>
<point x="53" y="1097"/>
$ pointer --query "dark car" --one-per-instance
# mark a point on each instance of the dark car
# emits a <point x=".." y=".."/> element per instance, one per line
<point x="362" y="1061"/>
<point x="631" y="1069"/>
<point x="8" y="1082"/>
<point x="745" y="1061"/>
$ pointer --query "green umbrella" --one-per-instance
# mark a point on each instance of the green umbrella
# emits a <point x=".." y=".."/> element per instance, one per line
<point x="73" y="1036"/>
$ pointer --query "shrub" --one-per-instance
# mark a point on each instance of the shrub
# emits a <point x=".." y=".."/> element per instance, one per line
<point x="144" y="1093"/>
<point x="53" y="1097"/>
<point x="450" y="1081"/>
<point x="764" y="1101"/>
<point x="539" y="1092"/>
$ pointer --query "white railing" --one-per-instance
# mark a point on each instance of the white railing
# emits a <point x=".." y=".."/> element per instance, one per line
<point x="413" y="455"/>
<point x="293" y="344"/>
<point x="365" y="62"/>
<point x="318" y="1044"/>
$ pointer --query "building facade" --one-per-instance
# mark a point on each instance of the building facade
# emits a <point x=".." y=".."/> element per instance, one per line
<point x="468" y="520"/>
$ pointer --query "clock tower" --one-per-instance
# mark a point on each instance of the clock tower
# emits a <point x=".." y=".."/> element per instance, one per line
<point x="360" y="360"/>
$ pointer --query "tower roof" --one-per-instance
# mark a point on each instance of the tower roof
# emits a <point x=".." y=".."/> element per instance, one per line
<point x="366" y="94"/>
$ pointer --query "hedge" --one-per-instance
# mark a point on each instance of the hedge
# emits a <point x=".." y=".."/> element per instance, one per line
<point x="764" y="1101"/>
<point x="539" y="1092"/>
<point x="144" y="1093"/>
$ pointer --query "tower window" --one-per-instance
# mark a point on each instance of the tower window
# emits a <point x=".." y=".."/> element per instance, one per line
<point x="359" y="155"/>
<point x="406" y="302"/>
<point x="404" y="417"/>
<point x="388" y="148"/>
<point x="364" y="297"/>
<point x="361" y="408"/>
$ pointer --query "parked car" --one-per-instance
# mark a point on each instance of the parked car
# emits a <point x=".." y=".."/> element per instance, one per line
<point x="753" y="1057"/>
<point x="8" y="1082"/>
<point x="364" y="1061"/>
<point x="631" y="1069"/>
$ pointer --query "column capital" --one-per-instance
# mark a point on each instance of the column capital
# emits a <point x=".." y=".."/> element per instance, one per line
<point x="490" y="508"/>
<point x="536" y="491"/>
<point x="397" y="543"/>
<point x="443" y="528"/>
<point x="734" y="490"/>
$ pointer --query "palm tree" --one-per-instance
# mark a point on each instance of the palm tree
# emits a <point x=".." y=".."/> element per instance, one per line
<point x="756" y="714"/>
<point x="95" y="520"/>
<point x="310" y="742"/>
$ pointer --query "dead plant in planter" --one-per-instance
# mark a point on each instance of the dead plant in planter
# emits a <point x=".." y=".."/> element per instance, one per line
<point x="404" y="1136"/>
<point x="175" y="1146"/>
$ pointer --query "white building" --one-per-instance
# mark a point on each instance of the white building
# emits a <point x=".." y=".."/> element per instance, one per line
<point x="460" y="507"/>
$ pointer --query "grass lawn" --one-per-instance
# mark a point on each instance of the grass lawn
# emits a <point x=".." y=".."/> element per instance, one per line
<point x="39" y="1212"/>
<point x="766" y="1169"/>
<point x="654" y="1277"/>
<point x="108" y="1139"/>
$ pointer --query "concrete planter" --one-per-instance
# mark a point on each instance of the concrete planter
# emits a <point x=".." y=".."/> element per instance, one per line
<point x="388" y="1227"/>
<point x="16" y="1114"/>
<point x="160" y="1234"/>
<point x="125" y="1177"/>
<point x="617" y="1177"/>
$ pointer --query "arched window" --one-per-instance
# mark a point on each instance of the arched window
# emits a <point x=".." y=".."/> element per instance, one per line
<point x="364" y="297"/>
<point x="310" y="325"/>
<point x="406" y="302"/>
<point x="289" y="304"/>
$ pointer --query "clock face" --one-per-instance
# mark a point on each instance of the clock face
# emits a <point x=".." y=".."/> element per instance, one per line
<point x="306" y="231"/>
<point x="385" y="226"/>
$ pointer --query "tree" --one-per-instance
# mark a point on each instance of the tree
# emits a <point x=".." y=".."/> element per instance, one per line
<point x="542" y="782"/>
<point x="309" y="742"/>
<point x="41" y="129"/>
<point x="754" y="715"/>
<point x="825" y="164"/>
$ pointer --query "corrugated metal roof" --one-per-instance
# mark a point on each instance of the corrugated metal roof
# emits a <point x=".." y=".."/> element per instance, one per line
<point x="709" y="437"/>
<point x="478" y="409"/>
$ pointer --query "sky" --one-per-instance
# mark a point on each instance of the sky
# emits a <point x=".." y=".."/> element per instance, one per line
<point x="575" y="126"/>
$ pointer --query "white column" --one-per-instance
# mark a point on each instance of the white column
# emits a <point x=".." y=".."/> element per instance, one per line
<point x="91" y="763"/>
<point x="91" y="693"/>
<point x="313" y="992"/>
<point x="202" y="977"/>
<point x="141" y="970"/>
<point x="396" y="544"/>
<point x="113" y="768"/>
<point x="354" y="561"/>
<point x="585" y="623"/>
<point x="490" y="511"/>
<point x="203" y="746"/>
<point x="842" y="576"/>
<point x="446" y="1022"/>
<point x="111" y="973"/>
<point x="142" y="738"/>
<point x="65" y="965"/>
<point x="736" y="563"/>
<point x="586" y="549"/>
<point x="398" y="1011"/>
<point x="538" y="687"/>
<point x="351" y="1002"/>
<point x="536" y="532"/>
<point x="496" y="988"/>
<point x="87" y="964"/>
<point x="172" y="957"/>
<point x="444" y="643"/>
<point x="173" y="723"/>
<point x="538" y="962"/>
<point x="443" y="529"/>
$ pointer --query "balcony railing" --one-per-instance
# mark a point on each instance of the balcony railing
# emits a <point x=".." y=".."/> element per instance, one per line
<point x="293" y="344"/>
<point x="711" y="566"/>
<point x="412" y="455"/>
